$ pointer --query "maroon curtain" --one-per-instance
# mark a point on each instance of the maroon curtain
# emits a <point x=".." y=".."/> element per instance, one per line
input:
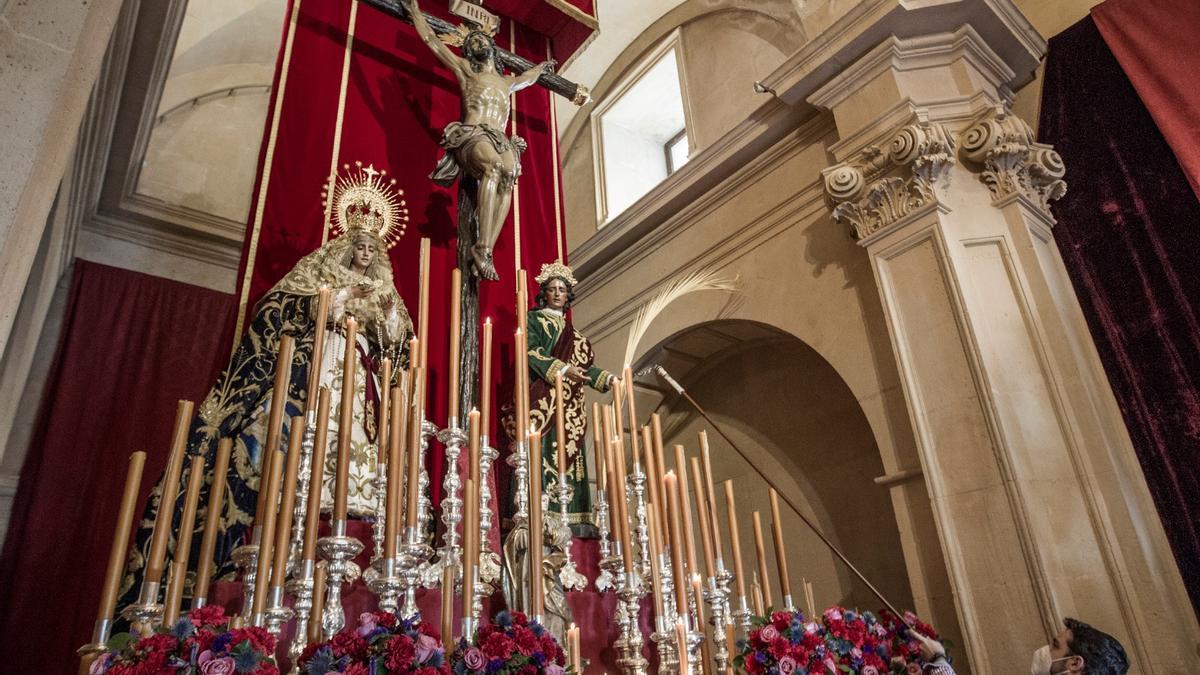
<point x="1154" y="41"/>
<point x="131" y="346"/>
<point x="1129" y="232"/>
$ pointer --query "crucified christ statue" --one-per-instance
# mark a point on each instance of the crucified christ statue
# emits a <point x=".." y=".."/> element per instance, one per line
<point x="478" y="146"/>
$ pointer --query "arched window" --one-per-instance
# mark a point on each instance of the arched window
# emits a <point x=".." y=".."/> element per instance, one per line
<point x="639" y="132"/>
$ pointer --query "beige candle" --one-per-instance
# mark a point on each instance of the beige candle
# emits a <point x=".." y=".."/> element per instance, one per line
<point x="455" y="341"/>
<point x="287" y="503"/>
<point x="785" y="587"/>
<point x="391" y="522"/>
<point x="536" y="531"/>
<point x="318" y="600"/>
<point x="627" y="383"/>
<point x="655" y="484"/>
<point x="341" y="485"/>
<point x="756" y="596"/>
<point x="619" y="417"/>
<point x="170" y="489"/>
<point x="734" y="542"/>
<point x="471" y="528"/>
<point x="702" y="513"/>
<point x="283" y="377"/>
<point x="671" y="488"/>
<point x="183" y="540"/>
<point x="610" y="476"/>
<point x="265" y="546"/>
<point x="470" y="556"/>
<point x="423" y="307"/>
<point x="120" y="540"/>
<point x="710" y="496"/>
<point x="314" y="367"/>
<point x="212" y="521"/>
<point x="412" y="481"/>
<point x="598" y="449"/>
<point x="681" y="639"/>
<point x="448" y="609"/>
<point x="760" y="552"/>
<point x="575" y="658"/>
<point x="560" y="425"/>
<point x="656" y="472"/>
<point x="519" y="382"/>
<point x="809" y="600"/>
<point x="689" y="539"/>
<point x="385" y="406"/>
<point x="623" y="500"/>
<point x="312" y="517"/>
<point x="485" y="388"/>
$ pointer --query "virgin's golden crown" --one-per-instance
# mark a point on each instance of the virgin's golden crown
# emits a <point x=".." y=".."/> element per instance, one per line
<point x="364" y="198"/>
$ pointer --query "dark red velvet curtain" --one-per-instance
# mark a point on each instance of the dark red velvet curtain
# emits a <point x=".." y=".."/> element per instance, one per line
<point x="131" y="346"/>
<point x="1129" y="232"/>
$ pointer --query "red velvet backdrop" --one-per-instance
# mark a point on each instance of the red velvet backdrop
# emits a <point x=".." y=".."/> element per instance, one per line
<point x="398" y="99"/>
<point x="1154" y="41"/>
<point x="1127" y="229"/>
<point x="129" y="349"/>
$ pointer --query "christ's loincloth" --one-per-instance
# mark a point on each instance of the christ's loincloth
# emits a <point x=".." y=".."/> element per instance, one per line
<point x="458" y="136"/>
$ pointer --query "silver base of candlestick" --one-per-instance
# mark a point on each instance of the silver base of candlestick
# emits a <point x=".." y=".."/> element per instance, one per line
<point x="300" y="587"/>
<point x="338" y="550"/>
<point x="429" y="431"/>
<point x="518" y="459"/>
<point x="147" y="613"/>
<point x="489" y="561"/>
<point x="568" y="575"/>
<point x="101" y="631"/>
<point x="742" y="616"/>
<point x="629" y="645"/>
<point x="413" y="554"/>
<point x="246" y="559"/>
<point x="303" y="481"/>
<point x="665" y="619"/>
<point x="449" y="554"/>
<point x="277" y="614"/>
<point x="636" y="485"/>
<point x="604" y="581"/>
<point x="383" y="579"/>
<point x="717" y="618"/>
<point x="379" y="482"/>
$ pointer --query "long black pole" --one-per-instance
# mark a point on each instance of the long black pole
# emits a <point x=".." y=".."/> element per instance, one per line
<point x="812" y="526"/>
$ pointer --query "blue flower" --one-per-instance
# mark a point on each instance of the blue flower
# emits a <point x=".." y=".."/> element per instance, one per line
<point x="221" y="643"/>
<point x="536" y="628"/>
<point x="504" y="619"/>
<point x="495" y="665"/>
<point x="183" y="629"/>
<point x="323" y="662"/>
<point x="436" y="659"/>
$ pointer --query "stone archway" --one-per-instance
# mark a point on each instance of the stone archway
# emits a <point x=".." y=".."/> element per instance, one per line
<point x="797" y="420"/>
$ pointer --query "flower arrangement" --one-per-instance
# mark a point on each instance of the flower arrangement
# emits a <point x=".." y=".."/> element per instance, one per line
<point x="510" y="645"/>
<point x="841" y="641"/>
<point x="380" y="644"/>
<point x="199" y="644"/>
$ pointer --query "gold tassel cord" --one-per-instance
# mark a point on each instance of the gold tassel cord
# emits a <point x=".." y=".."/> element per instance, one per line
<point x="692" y="282"/>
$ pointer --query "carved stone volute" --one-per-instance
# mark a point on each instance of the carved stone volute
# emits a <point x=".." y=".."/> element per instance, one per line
<point x="1012" y="161"/>
<point x="878" y="187"/>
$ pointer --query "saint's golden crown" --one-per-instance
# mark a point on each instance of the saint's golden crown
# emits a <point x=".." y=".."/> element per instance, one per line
<point x="364" y="198"/>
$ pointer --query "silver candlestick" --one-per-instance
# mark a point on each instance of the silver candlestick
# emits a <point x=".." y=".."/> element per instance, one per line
<point x="386" y="583"/>
<point x="276" y="614"/>
<point x="246" y="559"/>
<point x="429" y="431"/>
<point x="519" y="461"/>
<point x="338" y="550"/>
<point x="569" y="576"/>
<point x="303" y="484"/>
<point x="489" y="562"/>
<point x="413" y="554"/>
<point x="636" y="485"/>
<point x="147" y="612"/>
<point x="379" y="482"/>
<point x="629" y="645"/>
<point x="604" y="581"/>
<point x="665" y="618"/>
<point x="449" y="554"/>
<point x="300" y="587"/>
<point x="717" y="597"/>
<point x="742" y="616"/>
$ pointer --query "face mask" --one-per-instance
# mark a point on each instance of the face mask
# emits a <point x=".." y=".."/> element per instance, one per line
<point x="1042" y="661"/>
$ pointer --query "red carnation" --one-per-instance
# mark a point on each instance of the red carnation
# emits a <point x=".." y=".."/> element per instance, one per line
<point x="208" y="615"/>
<point x="400" y="651"/>
<point x="781" y="620"/>
<point x="780" y="648"/>
<point x="497" y="646"/>
<point x="348" y="643"/>
<point x="259" y="638"/>
<point x="356" y="669"/>
<point x="526" y="642"/>
<point x="266" y="668"/>
<point x="385" y="619"/>
<point x="551" y="649"/>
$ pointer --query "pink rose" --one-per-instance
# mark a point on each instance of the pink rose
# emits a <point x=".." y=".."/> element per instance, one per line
<point x="366" y="624"/>
<point x="768" y="633"/>
<point x="787" y="665"/>
<point x="424" y="648"/>
<point x="221" y="666"/>
<point x="204" y="657"/>
<point x="553" y="669"/>
<point x="474" y="659"/>
<point x="99" y="665"/>
<point x="828" y="663"/>
<point x="869" y="670"/>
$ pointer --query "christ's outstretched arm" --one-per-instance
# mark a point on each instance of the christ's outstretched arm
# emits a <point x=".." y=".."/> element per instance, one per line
<point x="430" y="38"/>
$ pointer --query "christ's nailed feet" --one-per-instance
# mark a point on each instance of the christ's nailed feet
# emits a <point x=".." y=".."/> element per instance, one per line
<point x="481" y="256"/>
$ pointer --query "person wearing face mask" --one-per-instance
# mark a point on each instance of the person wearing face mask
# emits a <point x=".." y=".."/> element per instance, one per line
<point x="1078" y="648"/>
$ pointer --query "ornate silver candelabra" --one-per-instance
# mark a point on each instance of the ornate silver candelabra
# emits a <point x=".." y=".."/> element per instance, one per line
<point x="414" y="552"/>
<point x="379" y="483"/>
<point x="489" y="561"/>
<point x="246" y="559"/>
<point x="449" y="554"/>
<point x="338" y="550"/>
<point x="276" y="613"/>
<point x="665" y="618"/>
<point x="519" y="461"/>
<point x="716" y="594"/>
<point x="636" y="485"/>
<point x="629" y="645"/>
<point x="147" y="612"/>
<point x="303" y="484"/>
<point x="386" y="583"/>
<point x="604" y="581"/>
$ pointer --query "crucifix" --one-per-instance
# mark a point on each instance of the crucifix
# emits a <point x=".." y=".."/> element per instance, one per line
<point x="479" y="155"/>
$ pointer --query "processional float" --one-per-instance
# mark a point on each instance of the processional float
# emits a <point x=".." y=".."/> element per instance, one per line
<point x="642" y="511"/>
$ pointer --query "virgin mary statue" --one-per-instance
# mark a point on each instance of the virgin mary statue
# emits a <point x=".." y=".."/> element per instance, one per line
<point x="355" y="267"/>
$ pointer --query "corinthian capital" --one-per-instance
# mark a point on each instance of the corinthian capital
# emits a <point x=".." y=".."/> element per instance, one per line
<point x="880" y="186"/>
<point x="1011" y="162"/>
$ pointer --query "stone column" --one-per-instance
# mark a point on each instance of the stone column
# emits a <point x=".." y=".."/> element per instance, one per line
<point x="52" y="52"/>
<point x="1039" y="504"/>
